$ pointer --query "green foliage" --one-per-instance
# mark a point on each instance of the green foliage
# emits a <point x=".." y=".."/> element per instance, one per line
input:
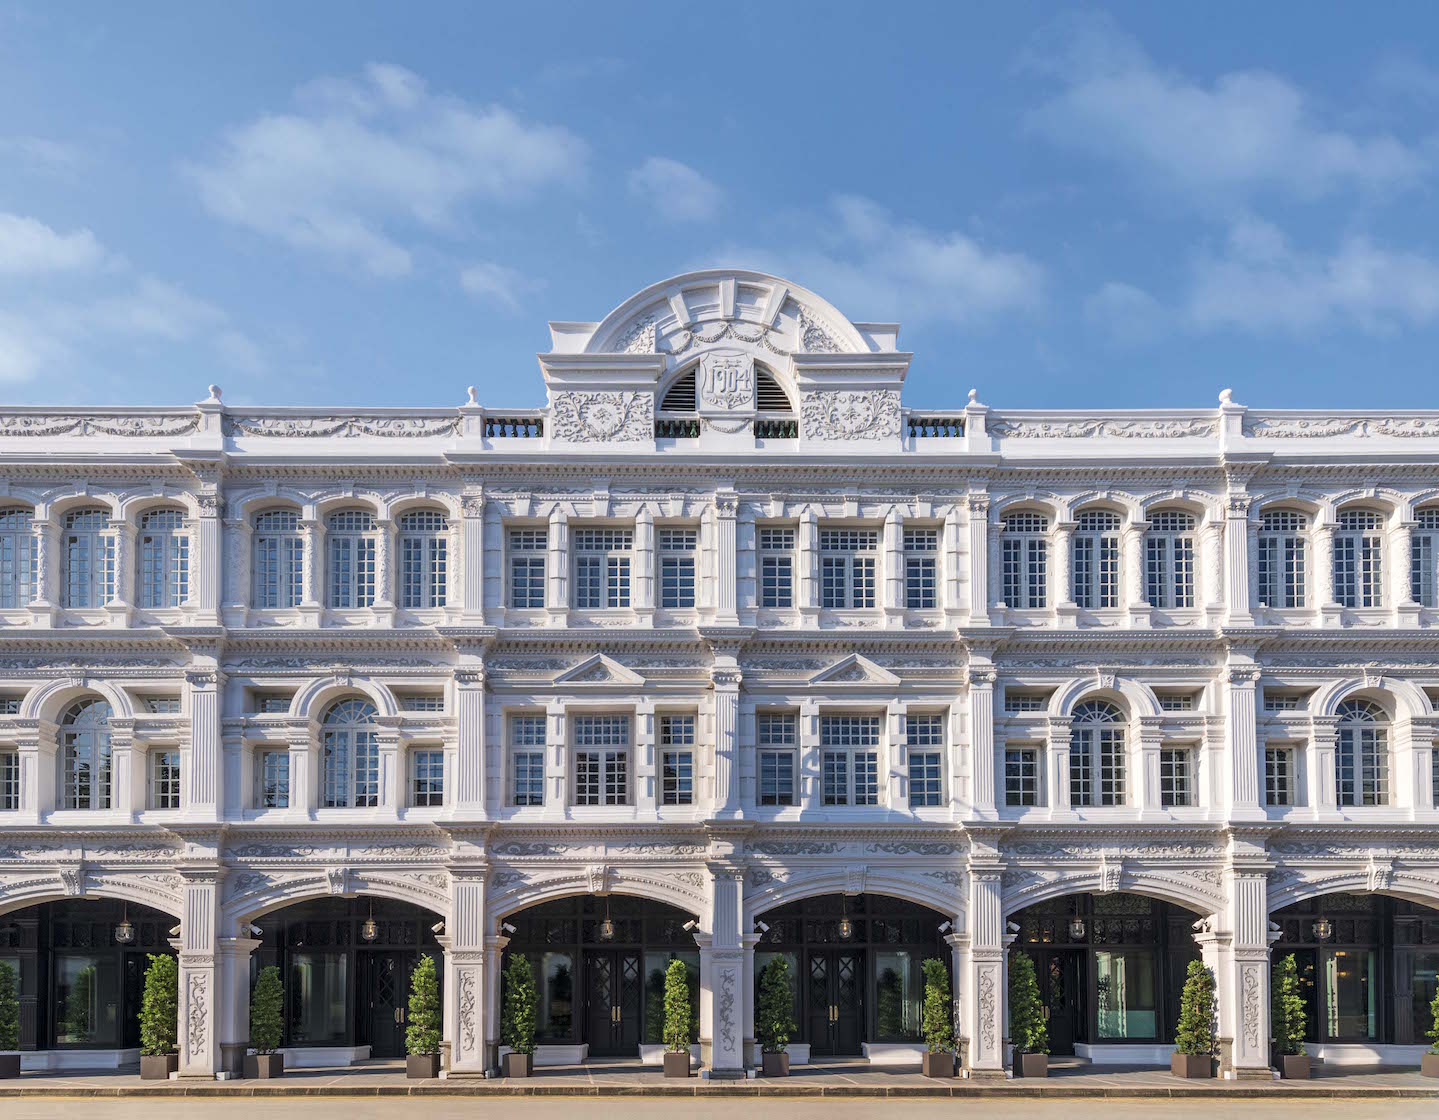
<point x="160" y="1006"/>
<point x="1286" y="1008"/>
<point x="774" y="1023"/>
<point x="9" y="1010"/>
<point x="517" y="1026"/>
<point x="78" y="1001"/>
<point x="267" y="1023"/>
<point x="1432" y="1032"/>
<point x="422" y="1036"/>
<point x="1195" y="1033"/>
<point x="677" y="1007"/>
<point x="1027" y="1029"/>
<point x="938" y="1008"/>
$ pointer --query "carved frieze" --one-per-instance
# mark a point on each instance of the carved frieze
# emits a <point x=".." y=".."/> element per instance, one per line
<point x="621" y="416"/>
<point x="343" y="427"/>
<point x="850" y="414"/>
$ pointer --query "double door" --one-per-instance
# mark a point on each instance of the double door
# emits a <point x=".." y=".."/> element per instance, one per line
<point x="613" y="1001"/>
<point x="834" y="1001"/>
<point x="385" y="1000"/>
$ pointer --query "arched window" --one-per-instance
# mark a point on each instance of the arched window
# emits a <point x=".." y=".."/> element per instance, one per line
<point x="352" y="539"/>
<point x="1096" y="755"/>
<point x="424" y="559"/>
<point x="1359" y="559"/>
<point x="1096" y="560"/>
<point x="1424" y="559"/>
<point x="1283" y="534"/>
<point x="279" y="560"/>
<point x="164" y="559"/>
<point x="1024" y="560"/>
<point x="352" y="755"/>
<point x="17" y="558"/>
<point x="1361" y="759"/>
<point x="88" y="558"/>
<point x="1169" y="560"/>
<point x="85" y="755"/>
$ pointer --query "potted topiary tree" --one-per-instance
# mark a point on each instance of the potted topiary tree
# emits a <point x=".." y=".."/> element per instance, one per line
<point x="1429" y="1063"/>
<point x="938" y="1021"/>
<point x="1194" y="1038"/>
<point x="774" y="1016"/>
<point x="422" y="1036"/>
<point x="1288" y="1020"/>
<point x="266" y="1026"/>
<point x="517" y="1027"/>
<point x="677" y="1020"/>
<point x="160" y="1019"/>
<point x="1027" y="1030"/>
<point x="9" y="1023"/>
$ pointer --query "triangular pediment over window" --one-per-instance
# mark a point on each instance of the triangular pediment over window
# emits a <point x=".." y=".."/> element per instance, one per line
<point x="599" y="669"/>
<point x="855" y="669"/>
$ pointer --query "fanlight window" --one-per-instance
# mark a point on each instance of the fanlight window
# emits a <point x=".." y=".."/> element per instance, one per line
<point x="1024" y="560"/>
<point x="1169" y="560"/>
<point x="17" y="558"/>
<point x="424" y="548"/>
<point x="769" y="394"/>
<point x="1096" y="755"/>
<point x="88" y="559"/>
<point x="164" y="559"/>
<point x="351" y="746"/>
<point x="279" y="560"/>
<point x="1096" y="560"/>
<point x="85" y="755"/>
<point x="1358" y="559"/>
<point x="1282" y="541"/>
<point x="352" y="541"/>
<point x="1361" y="761"/>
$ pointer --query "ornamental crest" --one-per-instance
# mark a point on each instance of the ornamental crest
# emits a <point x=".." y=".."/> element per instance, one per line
<point x="603" y="416"/>
<point x="726" y="383"/>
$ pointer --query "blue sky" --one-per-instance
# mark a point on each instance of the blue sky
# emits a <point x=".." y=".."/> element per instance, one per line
<point x="365" y="203"/>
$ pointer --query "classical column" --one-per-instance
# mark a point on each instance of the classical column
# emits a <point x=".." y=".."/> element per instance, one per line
<point x="304" y="794"/>
<point x="1242" y="738"/>
<point x="558" y="564"/>
<point x="951" y="603"/>
<point x="1327" y="609"/>
<point x="958" y="941"/>
<point x="726" y="679"/>
<point x="1323" y="742"/>
<point x="198" y="947"/>
<point x="470" y="761"/>
<point x="643" y="577"/>
<point x="471" y="561"/>
<point x="1062" y="578"/>
<point x="1060" y="736"/>
<point x="752" y="1056"/>
<point x="206" y="559"/>
<point x="1151" y="742"/>
<point x="202" y="765"/>
<point x="233" y="995"/>
<point x="1422" y="735"/>
<point x="494" y="960"/>
<point x="47" y="571"/>
<point x="984" y="981"/>
<point x="1235" y="944"/>
<point x="1211" y="545"/>
<point x="892" y="589"/>
<point x="236" y="570"/>
<point x="36" y="752"/>
<point x="386" y="591"/>
<point x="122" y="601"/>
<point x="392" y="762"/>
<point x="314" y="574"/>
<point x="980" y="569"/>
<point x="1134" y="589"/>
<point x="982" y="678"/>
<point x="123" y="767"/>
<point x="1401" y="586"/>
<point x="807" y="562"/>
<point x="467" y="974"/>
<point x="726" y="514"/>
<point x="1236" y="558"/>
<point x="722" y="973"/>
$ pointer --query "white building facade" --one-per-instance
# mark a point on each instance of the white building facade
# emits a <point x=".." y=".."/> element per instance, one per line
<point x="727" y="652"/>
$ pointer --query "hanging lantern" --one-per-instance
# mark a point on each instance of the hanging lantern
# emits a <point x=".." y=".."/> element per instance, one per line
<point x="1323" y="929"/>
<point x="1076" y="928"/>
<point x="846" y="927"/>
<point x="125" y="931"/>
<point x="369" y="929"/>
<point x="607" y="927"/>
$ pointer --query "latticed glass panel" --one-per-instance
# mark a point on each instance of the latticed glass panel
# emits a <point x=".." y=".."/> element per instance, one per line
<point x="847" y="567"/>
<point x="85" y="751"/>
<point x="17" y="558"/>
<point x="529" y="549"/>
<point x="677" y="548"/>
<point x="424" y="559"/>
<point x="1096" y="755"/>
<point x="601" y="760"/>
<point x="1096" y="560"/>
<point x="602" y="568"/>
<point x="164" y="559"/>
<point x="87" y="559"/>
<point x="428" y="777"/>
<point x="274" y="780"/>
<point x="351" y="755"/>
<point x="527" y="769"/>
<point x="1169" y="560"/>
<point x="921" y="568"/>
<point x="1021" y="776"/>
<point x="1361" y="761"/>
<point x="1279" y="776"/>
<point x="1359" y="559"/>
<point x="279" y="581"/>
<point x="1176" y="785"/>
<point x="849" y="762"/>
<point x="1024" y="560"/>
<point x="165" y="779"/>
<point x="1424" y="558"/>
<point x="351" y="538"/>
<point x="1283" y="538"/>
<point x="776" y="567"/>
<point x="9" y="781"/>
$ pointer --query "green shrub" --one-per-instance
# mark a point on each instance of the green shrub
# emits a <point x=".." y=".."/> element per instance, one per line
<point x="422" y="1036"/>
<point x="774" y="1009"/>
<point x="938" y="1008"/>
<point x="1195" y="1033"/>
<point x="1027" y="1029"/>
<point x="9" y="1010"/>
<point x="677" y="1007"/>
<point x="267" y="1022"/>
<point x="1433" y="1031"/>
<point x="160" y="1006"/>
<point x="1286" y="1008"/>
<point x="517" y="1027"/>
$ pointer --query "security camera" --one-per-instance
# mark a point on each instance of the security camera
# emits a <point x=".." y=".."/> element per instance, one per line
<point x="763" y="927"/>
<point x="256" y="931"/>
<point x="1012" y="927"/>
<point x="175" y="932"/>
<point x="691" y="925"/>
<point x="438" y="928"/>
<point x="508" y="928"/>
<point x="945" y="926"/>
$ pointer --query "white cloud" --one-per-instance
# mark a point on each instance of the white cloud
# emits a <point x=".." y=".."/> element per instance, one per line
<point x="1129" y="316"/>
<point x="496" y="283"/>
<point x="40" y="154"/>
<point x="364" y="166"/>
<point x="29" y="247"/>
<point x="675" y="191"/>
<point x="1246" y="130"/>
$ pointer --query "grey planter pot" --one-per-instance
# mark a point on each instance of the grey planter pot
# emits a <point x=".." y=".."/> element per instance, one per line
<point x="677" y="1065"/>
<point x="938" y="1063"/>
<point x="158" y="1067"/>
<point x="9" y="1065"/>
<point x="422" y="1067"/>
<point x="1428" y="1065"/>
<point x="1191" y="1065"/>
<point x="518" y="1065"/>
<point x="1295" y="1067"/>
<point x="1033" y="1065"/>
<point x="775" y="1065"/>
<point x="264" y="1066"/>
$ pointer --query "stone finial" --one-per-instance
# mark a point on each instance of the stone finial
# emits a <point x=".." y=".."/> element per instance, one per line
<point x="1226" y="396"/>
<point x="974" y="396"/>
<point x="214" y="395"/>
<point x="474" y="396"/>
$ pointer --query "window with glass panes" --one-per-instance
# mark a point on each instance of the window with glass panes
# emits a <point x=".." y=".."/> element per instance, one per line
<point x="272" y="703"/>
<point x="1169" y="560"/>
<point x="164" y="559"/>
<point x="847" y="563"/>
<point x="427" y="777"/>
<point x="351" y="541"/>
<point x="1176" y="780"/>
<point x="1176" y="701"/>
<point x="85" y="755"/>
<point x="87" y="558"/>
<point x="1096" y="560"/>
<point x="1096" y="755"/>
<point x="924" y="743"/>
<point x="17" y="558"/>
<point x="279" y="560"/>
<point x="165" y="779"/>
<point x="527" y="759"/>
<point x="1283" y="536"/>
<point x="921" y="569"/>
<point x="1361" y="758"/>
<point x="424" y="559"/>
<point x="1282" y="701"/>
<point x="1424" y="559"/>
<point x="1279" y="776"/>
<point x="1358" y="559"/>
<point x="163" y="705"/>
<point x="601" y="759"/>
<point x="677" y="759"/>
<point x="1021" y="776"/>
<point x="9" y="781"/>
<point x="849" y="760"/>
<point x="351" y="756"/>
<point x="1018" y="702"/>
<point x="529" y="549"/>
<point x="776" y="567"/>
<point x="421" y="701"/>
<point x="677" y="548"/>
<point x="776" y="741"/>
<point x="602" y="568"/>
<point x="1024" y="560"/>
<point x="272" y="779"/>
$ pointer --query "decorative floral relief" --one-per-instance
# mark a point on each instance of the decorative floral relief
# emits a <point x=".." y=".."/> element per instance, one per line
<point x="603" y="417"/>
<point x="851" y="414"/>
<point x="389" y="427"/>
<point x="1251" y="1006"/>
<point x="197" y="1014"/>
<point x="988" y="1010"/>
<point x="1084" y="429"/>
<point x="89" y="424"/>
<point x="1363" y="427"/>
<point x="467" y="1011"/>
<point x="639" y="338"/>
<point x="813" y="337"/>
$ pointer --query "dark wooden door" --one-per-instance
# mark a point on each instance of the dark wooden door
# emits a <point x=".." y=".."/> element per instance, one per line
<point x="834" y="1002"/>
<point x="613" y="1003"/>
<point x="385" y="996"/>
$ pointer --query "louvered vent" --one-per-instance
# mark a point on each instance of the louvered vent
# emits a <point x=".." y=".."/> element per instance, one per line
<point x="769" y="396"/>
<point x="681" y="397"/>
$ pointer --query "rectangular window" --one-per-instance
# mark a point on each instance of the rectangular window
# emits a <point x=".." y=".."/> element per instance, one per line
<point x="1096" y="767"/>
<point x="10" y="705"/>
<point x="422" y="701"/>
<point x="163" y="705"/>
<point x="1282" y="701"/>
<point x="1017" y="702"/>
<point x="921" y="569"/>
<point x="527" y="760"/>
<point x="776" y="739"/>
<point x="1176" y="782"/>
<point x="776" y="568"/>
<point x="677" y="568"/>
<point x="1279" y="776"/>
<point x="352" y="571"/>
<point x="1024" y="560"/>
<point x="847" y="567"/>
<point x="1281" y="559"/>
<point x="528" y="551"/>
<point x="924" y="740"/>
<point x="1021" y="776"/>
<point x="849" y="759"/>
<point x="1176" y="701"/>
<point x="602" y="760"/>
<point x="677" y="760"/>
<point x="272" y="703"/>
<point x="1423" y="576"/>
<point x="9" y="781"/>
<point x="602" y="568"/>
<point x="165" y="779"/>
<point x="423" y="560"/>
<point x="1361" y="764"/>
<point x="427" y="777"/>
<point x="1358" y="560"/>
<point x="272" y="780"/>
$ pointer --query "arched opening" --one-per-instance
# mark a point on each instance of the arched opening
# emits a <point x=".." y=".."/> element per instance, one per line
<point x="858" y="962"/>
<point x="1110" y="970"/>
<point x="599" y="963"/>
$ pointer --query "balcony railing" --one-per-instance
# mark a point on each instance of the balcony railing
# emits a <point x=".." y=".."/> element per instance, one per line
<point x="935" y="426"/>
<point x="515" y="427"/>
